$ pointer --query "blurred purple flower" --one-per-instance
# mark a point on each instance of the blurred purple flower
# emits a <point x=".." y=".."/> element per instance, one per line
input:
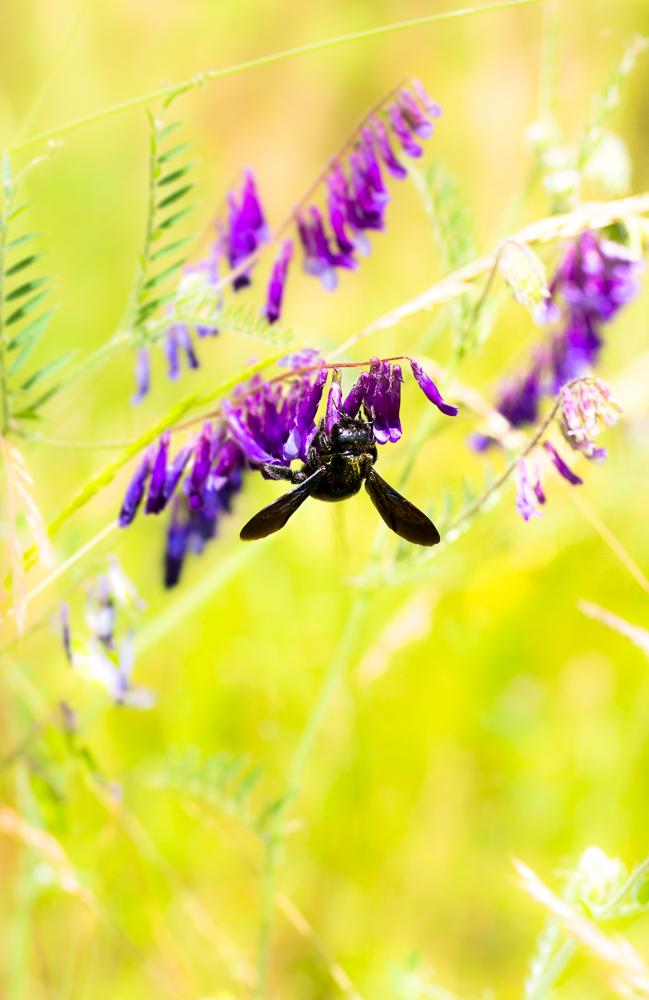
<point x="529" y="490"/>
<point x="142" y="375"/>
<point x="596" y="278"/>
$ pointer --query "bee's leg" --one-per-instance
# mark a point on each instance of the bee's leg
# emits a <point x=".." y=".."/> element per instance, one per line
<point x="270" y="470"/>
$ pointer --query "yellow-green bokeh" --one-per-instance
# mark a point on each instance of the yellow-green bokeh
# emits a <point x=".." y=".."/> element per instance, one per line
<point x="508" y="724"/>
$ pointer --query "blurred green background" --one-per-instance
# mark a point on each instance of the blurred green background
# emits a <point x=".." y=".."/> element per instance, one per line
<point x="495" y="721"/>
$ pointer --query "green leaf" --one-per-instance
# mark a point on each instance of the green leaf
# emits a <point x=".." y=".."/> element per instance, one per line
<point x="166" y="131"/>
<point x="18" y="210"/>
<point x="175" y="175"/>
<point x="20" y="241"/>
<point x="48" y="370"/>
<point x="26" y="307"/>
<point x="169" y="248"/>
<point x="26" y="289"/>
<point x="175" y="196"/>
<point x="34" y="329"/>
<point x="31" y="412"/>
<point x="150" y="307"/>
<point x="169" y="223"/>
<point x="173" y="152"/>
<point x="22" y="264"/>
<point x="157" y="279"/>
<point x="29" y="341"/>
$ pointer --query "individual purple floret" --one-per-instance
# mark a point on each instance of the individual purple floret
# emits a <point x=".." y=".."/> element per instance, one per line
<point x="334" y="404"/>
<point x="304" y="426"/>
<point x="275" y="294"/>
<point x="142" y="375"/>
<point x="135" y="489"/>
<point x="178" y="340"/>
<point x="430" y="390"/>
<point x="156" y="500"/>
<point x="562" y="468"/>
<point x="246" y="228"/>
<point x="529" y="490"/>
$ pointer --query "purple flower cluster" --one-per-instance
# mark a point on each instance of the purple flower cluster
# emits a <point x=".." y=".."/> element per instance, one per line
<point x="357" y="195"/>
<point x="595" y="279"/>
<point x="264" y="423"/>
<point x="330" y="238"/>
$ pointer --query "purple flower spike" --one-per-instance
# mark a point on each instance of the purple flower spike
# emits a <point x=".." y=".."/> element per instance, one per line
<point x="142" y="375"/>
<point x="135" y="490"/>
<point x="386" y="152"/>
<point x="561" y="467"/>
<point x="403" y="133"/>
<point x="156" y="499"/>
<point x="430" y="390"/>
<point x="334" y="404"/>
<point x="304" y="427"/>
<point x="277" y="282"/>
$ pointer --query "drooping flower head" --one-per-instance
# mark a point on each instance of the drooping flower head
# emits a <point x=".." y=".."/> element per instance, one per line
<point x="587" y="407"/>
<point x="263" y="424"/>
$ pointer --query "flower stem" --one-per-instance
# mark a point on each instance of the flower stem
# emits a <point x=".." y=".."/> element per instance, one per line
<point x="171" y="91"/>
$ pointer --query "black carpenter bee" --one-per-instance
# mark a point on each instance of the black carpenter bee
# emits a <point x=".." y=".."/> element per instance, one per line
<point x="336" y="466"/>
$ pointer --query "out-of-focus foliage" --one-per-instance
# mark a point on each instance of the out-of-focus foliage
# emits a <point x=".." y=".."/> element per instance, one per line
<point x="482" y="715"/>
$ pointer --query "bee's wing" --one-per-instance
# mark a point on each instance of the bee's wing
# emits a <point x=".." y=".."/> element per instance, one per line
<point x="399" y="514"/>
<point x="276" y="514"/>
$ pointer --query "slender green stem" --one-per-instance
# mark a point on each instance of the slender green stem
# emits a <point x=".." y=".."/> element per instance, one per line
<point x="172" y="91"/>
